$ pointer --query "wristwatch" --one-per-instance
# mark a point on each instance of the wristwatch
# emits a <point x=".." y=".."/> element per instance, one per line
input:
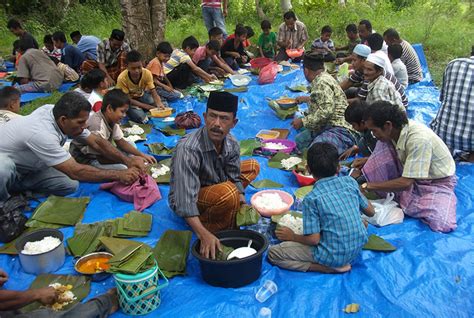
<point x="364" y="186"/>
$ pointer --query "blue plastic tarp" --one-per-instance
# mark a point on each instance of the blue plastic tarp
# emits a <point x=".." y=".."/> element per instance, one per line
<point x="430" y="274"/>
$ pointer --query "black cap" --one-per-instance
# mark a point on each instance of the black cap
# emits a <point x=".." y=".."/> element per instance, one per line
<point x="223" y="102"/>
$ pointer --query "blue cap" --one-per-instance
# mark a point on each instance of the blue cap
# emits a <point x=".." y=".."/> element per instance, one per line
<point x="362" y="50"/>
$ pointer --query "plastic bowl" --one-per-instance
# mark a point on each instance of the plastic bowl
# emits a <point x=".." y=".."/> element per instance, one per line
<point x="161" y="113"/>
<point x="285" y="196"/>
<point x="240" y="80"/>
<point x="265" y="134"/>
<point x="290" y="145"/>
<point x="303" y="180"/>
<point x="237" y="272"/>
<point x="293" y="53"/>
<point x="286" y="103"/>
<point x="260" y="62"/>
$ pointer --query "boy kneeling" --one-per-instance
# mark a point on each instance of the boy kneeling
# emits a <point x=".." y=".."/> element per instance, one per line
<point x="333" y="230"/>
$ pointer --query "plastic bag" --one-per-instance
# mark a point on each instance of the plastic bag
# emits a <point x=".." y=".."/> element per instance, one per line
<point x="386" y="212"/>
<point x="187" y="120"/>
<point x="247" y="216"/>
<point x="268" y="73"/>
<point x="12" y="220"/>
<point x="143" y="192"/>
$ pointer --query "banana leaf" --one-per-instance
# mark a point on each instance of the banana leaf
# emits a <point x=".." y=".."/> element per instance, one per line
<point x="171" y="252"/>
<point x="247" y="146"/>
<point x="282" y="113"/>
<point x="146" y="128"/>
<point x="168" y="131"/>
<point x="275" y="161"/>
<point x="236" y="89"/>
<point x="246" y="216"/>
<point x="60" y="211"/>
<point x="124" y="255"/>
<point x="42" y="225"/>
<point x="376" y="243"/>
<point x="106" y="225"/>
<point x="85" y="242"/>
<point x="266" y="183"/>
<point x="277" y="218"/>
<point x="298" y="88"/>
<point x="166" y="177"/>
<point x="115" y="245"/>
<point x="138" y="221"/>
<point x="138" y="262"/>
<point x="80" y="288"/>
<point x="224" y="254"/>
<point x="302" y="192"/>
<point x="159" y="148"/>
<point x="123" y="232"/>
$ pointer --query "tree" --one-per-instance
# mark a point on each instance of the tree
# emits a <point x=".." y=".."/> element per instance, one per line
<point x="260" y="12"/>
<point x="144" y="24"/>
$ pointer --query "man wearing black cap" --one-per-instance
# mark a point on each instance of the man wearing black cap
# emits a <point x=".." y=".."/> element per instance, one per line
<point x="324" y="120"/>
<point x="111" y="54"/>
<point x="207" y="178"/>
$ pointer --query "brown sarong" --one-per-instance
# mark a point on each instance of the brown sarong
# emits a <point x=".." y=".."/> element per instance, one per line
<point x="219" y="203"/>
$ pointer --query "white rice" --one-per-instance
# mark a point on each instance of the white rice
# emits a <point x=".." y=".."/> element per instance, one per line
<point x="45" y="245"/>
<point x="270" y="201"/>
<point x="292" y="222"/>
<point x="132" y="138"/>
<point x="161" y="171"/>
<point x="275" y="145"/>
<point x="134" y="130"/>
<point x="290" y="162"/>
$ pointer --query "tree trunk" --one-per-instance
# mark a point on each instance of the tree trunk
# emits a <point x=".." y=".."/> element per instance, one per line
<point x="260" y="13"/>
<point x="285" y="5"/>
<point x="144" y="24"/>
<point x="342" y="3"/>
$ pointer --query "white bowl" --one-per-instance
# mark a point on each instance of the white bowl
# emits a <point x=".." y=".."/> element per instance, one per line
<point x="240" y="80"/>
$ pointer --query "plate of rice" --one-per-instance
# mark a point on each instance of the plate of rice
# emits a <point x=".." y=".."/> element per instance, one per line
<point x="272" y="202"/>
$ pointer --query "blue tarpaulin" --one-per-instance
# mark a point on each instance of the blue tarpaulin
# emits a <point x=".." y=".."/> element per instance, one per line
<point x="429" y="275"/>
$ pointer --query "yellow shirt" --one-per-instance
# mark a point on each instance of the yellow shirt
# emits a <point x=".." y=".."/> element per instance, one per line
<point x="135" y="90"/>
<point x="423" y="154"/>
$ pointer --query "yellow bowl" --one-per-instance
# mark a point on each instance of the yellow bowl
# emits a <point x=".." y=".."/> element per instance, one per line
<point x="161" y="113"/>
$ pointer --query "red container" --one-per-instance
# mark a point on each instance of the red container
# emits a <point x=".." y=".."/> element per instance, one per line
<point x="260" y="62"/>
<point x="293" y="53"/>
<point x="304" y="181"/>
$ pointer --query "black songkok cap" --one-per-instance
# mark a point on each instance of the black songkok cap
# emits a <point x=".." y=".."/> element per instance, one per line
<point x="223" y="102"/>
<point x="313" y="61"/>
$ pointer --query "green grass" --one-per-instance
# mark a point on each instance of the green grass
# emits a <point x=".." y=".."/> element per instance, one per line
<point x="444" y="27"/>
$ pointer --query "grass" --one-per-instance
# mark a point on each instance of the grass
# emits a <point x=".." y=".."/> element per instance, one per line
<point x="442" y="26"/>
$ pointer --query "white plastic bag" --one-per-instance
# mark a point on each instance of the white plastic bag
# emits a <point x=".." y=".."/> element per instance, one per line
<point x="387" y="212"/>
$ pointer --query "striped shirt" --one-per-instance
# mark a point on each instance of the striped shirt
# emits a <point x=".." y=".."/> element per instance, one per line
<point x="454" y="122"/>
<point x="333" y="209"/>
<point x="296" y="36"/>
<point x="107" y="56"/>
<point x="423" y="154"/>
<point x="412" y="62"/>
<point x="177" y="57"/>
<point x="381" y="89"/>
<point x="196" y="164"/>
<point x="358" y="77"/>
<point x="211" y="3"/>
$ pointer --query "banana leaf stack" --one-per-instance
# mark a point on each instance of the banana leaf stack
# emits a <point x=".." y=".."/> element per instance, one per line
<point x="133" y="224"/>
<point x="159" y="148"/>
<point x="57" y="212"/>
<point x="130" y="257"/>
<point x="171" y="252"/>
<point x="282" y="113"/>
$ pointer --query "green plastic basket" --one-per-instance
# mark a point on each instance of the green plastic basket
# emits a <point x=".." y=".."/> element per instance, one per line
<point x="140" y="294"/>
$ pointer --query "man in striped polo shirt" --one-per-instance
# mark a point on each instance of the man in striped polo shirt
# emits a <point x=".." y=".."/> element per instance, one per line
<point x="409" y="56"/>
<point x="214" y="13"/>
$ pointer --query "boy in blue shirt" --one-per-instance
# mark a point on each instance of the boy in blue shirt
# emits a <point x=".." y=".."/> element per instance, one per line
<point x="333" y="230"/>
<point x="70" y="55"/>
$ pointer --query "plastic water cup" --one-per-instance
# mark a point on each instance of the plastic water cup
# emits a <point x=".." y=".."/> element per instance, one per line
<point x="266" y="291"/>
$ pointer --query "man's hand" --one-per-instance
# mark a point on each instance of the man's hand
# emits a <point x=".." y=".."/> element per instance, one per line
<point x="285" y="234"/>
<point x="242" y="199"/>
<point x="348" y="153"/>
<point x="169" y="89"/>
<point x="3" y="277"/>
<point x="128" y="176"/>
<point x="136" y="162"/>
<point x="46" y="295"/>
<point x="209" y="245"/>
<point x="109" y="81"/>
<point x="297" y="123"/>
<point x="359" y="163"/>
<point x="302" y="99"/>
<point x="148" y="159"/>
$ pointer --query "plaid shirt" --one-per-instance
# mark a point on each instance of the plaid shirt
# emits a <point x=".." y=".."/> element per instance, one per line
<point x="296" y="36"/>
<point x="327" y="104"/>
<point x="423" y="154"/>
<point x="454" y="122"/>
<point x="382" y="89"/>
<point x="196" y="164"/>
<point x="333" y="209"/>
<point x="106" y="55"/>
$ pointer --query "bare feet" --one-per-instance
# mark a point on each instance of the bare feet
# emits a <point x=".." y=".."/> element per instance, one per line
<point x="471" y="157"/>
<point x="114" y="299"/>
<point x="343" y="269"/>
<point x="315" y="267"/>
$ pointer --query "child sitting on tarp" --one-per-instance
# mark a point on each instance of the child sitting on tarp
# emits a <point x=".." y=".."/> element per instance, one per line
<point x="93" y="80"/>
<point x="324" y="45"/>
<point x="366" y="143"/>
<point x="203" y="55"/>
<point x="49" y="48"/>
<point x="181" y="70"/>
<point x="105" y="124"/>
<point x="267" y="41"/>
<point x="233" y="50"/>
<point x="9" y="104"/>
<point x="333" y="232"/>
<point x="344" y="54"/>
<point x="137" y="82"/>
<point x="164" y="88"/>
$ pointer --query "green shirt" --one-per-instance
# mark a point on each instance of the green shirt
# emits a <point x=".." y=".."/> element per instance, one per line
<point x="267" y="42"/>
<point x="327" y="104"/>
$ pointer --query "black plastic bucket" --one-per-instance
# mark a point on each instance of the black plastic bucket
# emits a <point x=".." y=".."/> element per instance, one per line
<point x="238" y="272"/>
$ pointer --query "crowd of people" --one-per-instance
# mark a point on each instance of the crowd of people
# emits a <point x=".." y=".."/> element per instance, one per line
<point x="364" y="114"/>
